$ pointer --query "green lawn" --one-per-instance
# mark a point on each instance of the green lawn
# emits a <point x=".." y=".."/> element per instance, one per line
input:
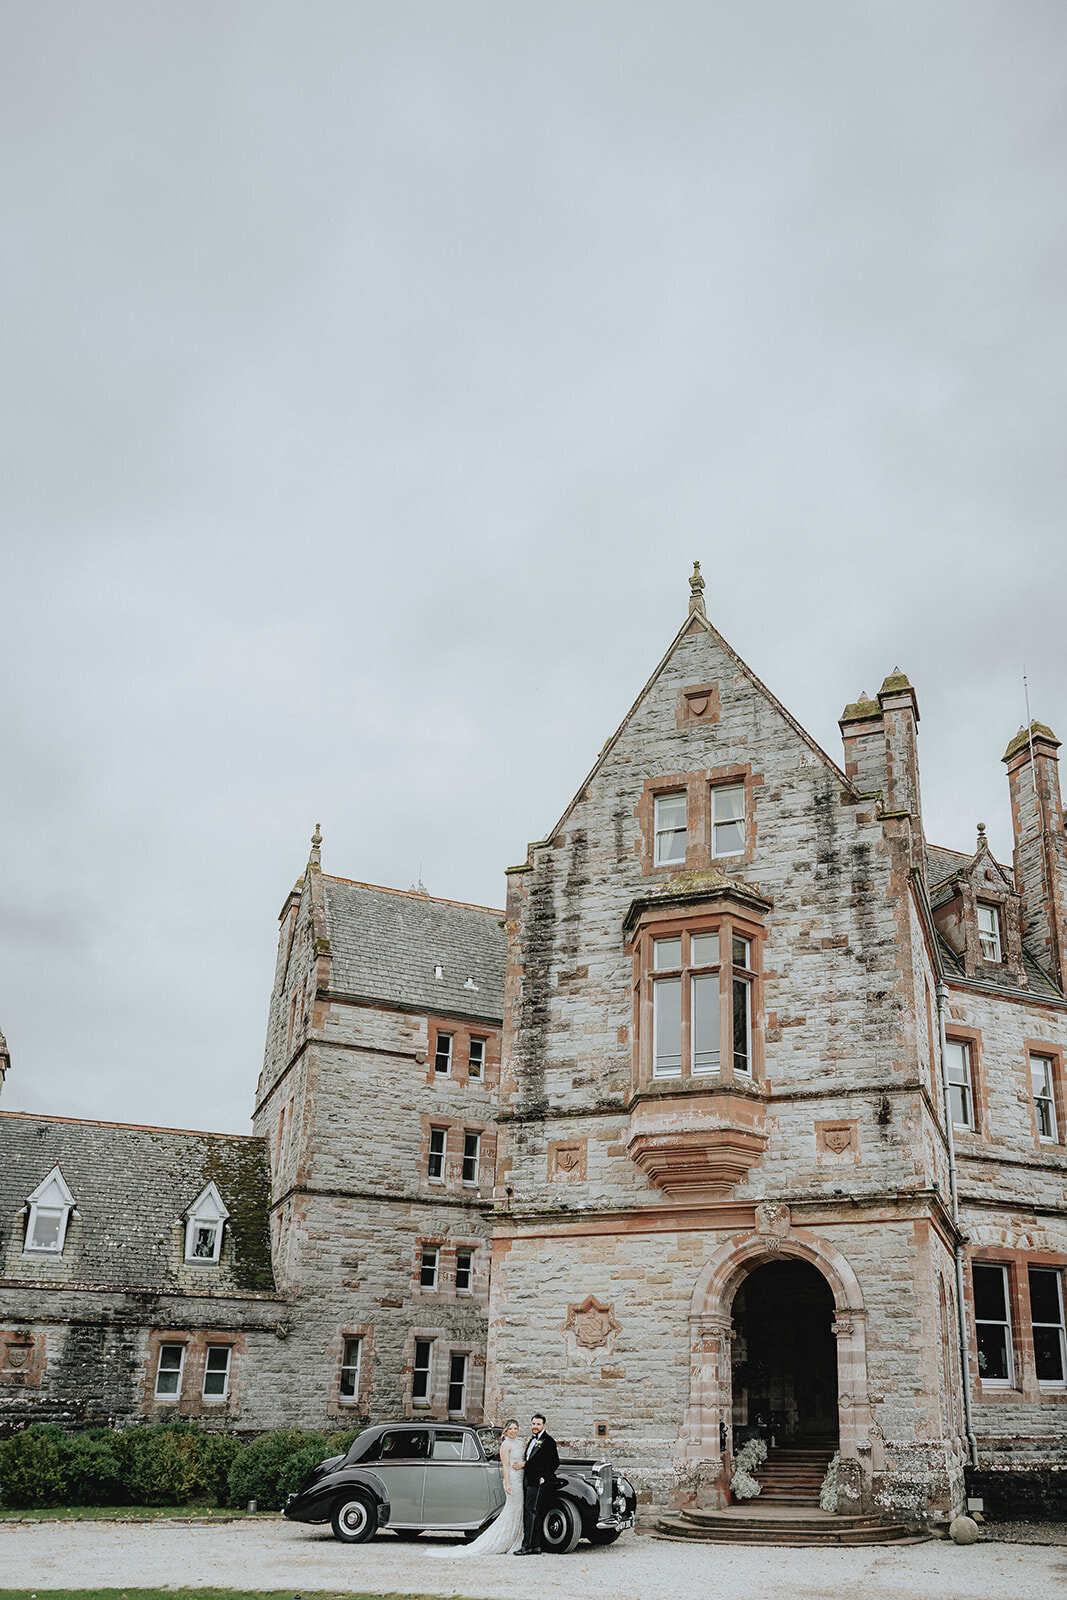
<point x="125" y="1513"/>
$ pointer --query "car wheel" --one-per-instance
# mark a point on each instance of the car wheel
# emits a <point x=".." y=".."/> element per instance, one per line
<point x="561" y="1528"/>
<point x="355" y="1518"/>
<point x="407" y="1534"/>
<point x="604" y="1535"/>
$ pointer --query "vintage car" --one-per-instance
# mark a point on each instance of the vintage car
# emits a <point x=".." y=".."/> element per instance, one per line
<point x="414" y="1476"/>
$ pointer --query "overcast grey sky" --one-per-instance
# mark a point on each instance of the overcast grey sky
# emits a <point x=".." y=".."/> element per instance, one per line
<point x="373" y="373"/>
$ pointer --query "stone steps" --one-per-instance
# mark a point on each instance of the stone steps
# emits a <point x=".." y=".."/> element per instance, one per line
<point x="802" y="1528"/>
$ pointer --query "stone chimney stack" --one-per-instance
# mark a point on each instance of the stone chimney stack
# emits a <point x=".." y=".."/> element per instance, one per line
<point x="900" y="709"/>
<point x="863" y="735"/>
<point x="1040" y="845"/>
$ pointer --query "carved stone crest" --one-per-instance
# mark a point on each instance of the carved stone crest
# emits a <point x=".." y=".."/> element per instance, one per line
<point x="567" y="1159"/>
<point x="772" y="1223"/>
<point x="590" y="1327"/>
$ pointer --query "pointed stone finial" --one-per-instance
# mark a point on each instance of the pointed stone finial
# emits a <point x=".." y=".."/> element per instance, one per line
<point x="696" y="596"/>
<point x="983" y="842"/>
<point x="316" y="841"/>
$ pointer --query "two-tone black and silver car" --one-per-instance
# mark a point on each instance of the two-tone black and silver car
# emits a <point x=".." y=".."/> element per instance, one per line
<point x="413" y="1477"/>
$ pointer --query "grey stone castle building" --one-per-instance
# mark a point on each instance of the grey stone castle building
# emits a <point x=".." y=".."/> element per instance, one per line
<point x="747" y="1114"/>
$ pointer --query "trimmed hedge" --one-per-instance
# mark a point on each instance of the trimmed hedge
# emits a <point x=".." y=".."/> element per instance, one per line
<point x="166" y="1465"/>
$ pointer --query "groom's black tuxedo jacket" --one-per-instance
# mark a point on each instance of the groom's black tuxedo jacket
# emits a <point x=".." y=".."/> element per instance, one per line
<point x="542" y="1460"/>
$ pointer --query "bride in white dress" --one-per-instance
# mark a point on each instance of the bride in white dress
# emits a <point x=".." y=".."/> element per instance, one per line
<point x="504" y="1533"/>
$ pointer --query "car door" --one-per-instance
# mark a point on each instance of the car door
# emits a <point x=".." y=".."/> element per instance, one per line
<point x="400" y="1457"/>
<point x="460" y="1483"/>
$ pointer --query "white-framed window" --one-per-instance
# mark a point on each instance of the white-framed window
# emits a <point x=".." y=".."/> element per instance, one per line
<point x="435" y="1161"/>
<point x="989" y="932"/>
<point x="1050" y="1336"/>
<point x="475" y="1058"/>
<point x="169" y="1367"/>
<point x="960" y="1082"/>
<point x="428" y="1267"/>
<point x="728" y="819"/>
<point x="204" y="1223"/>
<point x="688" y="975"/>
<point x="472" y="1147"/>
<point x="670" y="828"/>
<point x="217" y="1372"/>
<point x="667" y="1010"/>
<point x="442" y="1055"/>
<point x="1041" y="1069"/>
<point x="49" y="1206"/>
<point x="464" y="1271"/>
<point x="457" y="1384"/>
<point x="992" y="1321"/>
<point x="351" y="1355"/>
<point x="421" y="1372"/>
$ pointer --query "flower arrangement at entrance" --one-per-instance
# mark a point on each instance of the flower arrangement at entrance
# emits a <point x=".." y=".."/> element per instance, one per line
<point x="750" y="1457"/>
<point x="828" y="1492"/>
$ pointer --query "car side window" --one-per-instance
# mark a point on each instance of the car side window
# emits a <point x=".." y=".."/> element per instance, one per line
<point x="400" y="1444"/>
<point x="448" y="1445"/>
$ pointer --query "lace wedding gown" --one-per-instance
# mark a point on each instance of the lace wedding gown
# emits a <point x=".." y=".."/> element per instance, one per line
<point x="504" y="1533"/>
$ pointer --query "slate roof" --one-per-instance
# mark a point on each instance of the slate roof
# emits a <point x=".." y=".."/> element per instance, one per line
<point x="386" y="944"/>
<point x="1040" y="984"/>
<point x="130" y="1186"/>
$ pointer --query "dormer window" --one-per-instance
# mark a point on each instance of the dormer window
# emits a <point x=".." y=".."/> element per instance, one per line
<point x="204" y="1224"/>
<point x="49" y="1206"/>
<point x="989" y="932"/>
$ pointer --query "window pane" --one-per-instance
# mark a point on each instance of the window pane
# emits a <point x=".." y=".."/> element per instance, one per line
<point x="471" y="1143"/>
<point x="667" y="953"/>
<point x="475" y="1058"/>
<point x="729" y="838"/>
<point x="46" y="1226"/>
<point x="169" y="1370"/>
<point x="443" y="1054"/>
<point x="216" y="1372"/>
<point x="990" y="1302"/>
<point x="1048" y="1355"/>
<point x="742" y="956"/>
<point x="1044" y="1295"/>
<point x="729" y="803"/>
<point x="993" y="1351"/>
<point x="448" y="1442"/>
<point x="667" y="1028"/>
<point x="457" y="1392"/>
<point x="960" y="1102"/>
<point x="704" y="1022"/>
<point x="956" y="1061"/>
<point x="420" y="1378"/>
<point x="204" y="1242"/>
<point x="742" y="1028"/>
<point x="703" y="949"/>
<point x="428" y="1269"/>
<point x="349" y="1388"/>
<point x="670" y="828"/>
<point x="464" y="1259"/>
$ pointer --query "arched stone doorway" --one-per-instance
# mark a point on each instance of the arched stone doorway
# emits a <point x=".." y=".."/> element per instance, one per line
<point x="706" y="1439"/>
<point x="784" y="1356"/>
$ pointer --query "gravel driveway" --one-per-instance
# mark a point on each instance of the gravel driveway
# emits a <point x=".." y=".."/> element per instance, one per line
<point x="278" y="1555"/>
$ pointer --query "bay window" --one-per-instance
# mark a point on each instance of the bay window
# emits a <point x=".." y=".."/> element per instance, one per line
<point x="696" y="991"/>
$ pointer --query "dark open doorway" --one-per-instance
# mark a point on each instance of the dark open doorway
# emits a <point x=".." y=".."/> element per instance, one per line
<point x="785" y="1356"/>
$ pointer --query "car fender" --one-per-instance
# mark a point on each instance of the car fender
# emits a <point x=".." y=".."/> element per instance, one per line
<point x="315" y="1503"/>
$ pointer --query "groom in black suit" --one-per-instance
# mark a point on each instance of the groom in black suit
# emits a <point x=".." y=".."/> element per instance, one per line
<point x="542" y="1461"/>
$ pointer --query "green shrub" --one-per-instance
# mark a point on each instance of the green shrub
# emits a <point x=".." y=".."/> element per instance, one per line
<point x="256" y="1470"/>
<point x="159" y="1465"/>
<point x="215" y="1457"/>
<point x="95" y="1475"/>
<point x="33" y="1467"/>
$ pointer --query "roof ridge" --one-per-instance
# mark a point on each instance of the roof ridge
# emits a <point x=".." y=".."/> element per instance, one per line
<point x="413" y="894"/>
<point x="136" y="1127"/>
